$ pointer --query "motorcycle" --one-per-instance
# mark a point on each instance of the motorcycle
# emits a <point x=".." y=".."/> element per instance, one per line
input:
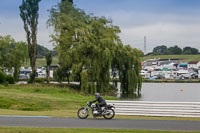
<point x="107" y="111"/>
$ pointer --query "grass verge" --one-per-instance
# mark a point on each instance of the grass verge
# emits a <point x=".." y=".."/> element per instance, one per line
<point x="77" y="130"/>
<point x="51" y="100"/>
<point x="41" y="99"/>
<point x="41" y="62"/>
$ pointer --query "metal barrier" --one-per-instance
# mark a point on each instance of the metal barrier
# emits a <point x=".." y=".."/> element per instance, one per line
<point x="147" y="108"/>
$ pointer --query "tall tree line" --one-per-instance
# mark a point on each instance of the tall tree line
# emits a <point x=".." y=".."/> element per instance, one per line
<point x="174" y="50"/>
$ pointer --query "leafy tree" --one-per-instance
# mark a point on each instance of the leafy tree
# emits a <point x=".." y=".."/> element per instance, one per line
<point x="64" y="25"/>
<point x="29" y="14"/>
<point x="67" y="0"/>
<point x="48" y="63"/>
<point x="160" y="50"/>
<point x="42" y="51"/>
<point x="84" y="85"/>
<point x="10" y="79"/>
<point x="87" y="46"/>
<point x="13" y="54"/>
<point x="6" y="44"/>
<point x="128" y="65"/>
<point x="59" y="74"/>
<point x="163" y="50"/>
<point x="175" y="50"/>
<point x="16" y="57"/>
<point x="2" y="77"/>
<point x="189" y="50"/>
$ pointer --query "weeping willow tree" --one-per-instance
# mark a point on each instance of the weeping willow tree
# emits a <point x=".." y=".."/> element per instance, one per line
<point x="84" y="77"/>
<point x="127" y="65"/>
<point x="84" y="42"/>
<point x="104" y="38"/>
<point x="90" y="47"/>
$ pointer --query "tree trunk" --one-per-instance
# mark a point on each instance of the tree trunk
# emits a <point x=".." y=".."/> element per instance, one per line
<point x="16" y="74"/>
<point x="80" y="79"/>
<point x="33" y="57"/>
<point x="68" y="78"/>
<point x="48" y="74"/>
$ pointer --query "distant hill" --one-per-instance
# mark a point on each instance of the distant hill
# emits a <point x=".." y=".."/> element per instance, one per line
<point x="185" y="58"/>
<point x="42" y="51"/>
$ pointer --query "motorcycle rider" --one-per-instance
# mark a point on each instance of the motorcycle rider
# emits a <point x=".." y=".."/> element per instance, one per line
<point x="101" y="101"/>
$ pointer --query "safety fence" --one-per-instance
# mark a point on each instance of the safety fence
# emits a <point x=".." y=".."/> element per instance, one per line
<point x="147" y="108"/>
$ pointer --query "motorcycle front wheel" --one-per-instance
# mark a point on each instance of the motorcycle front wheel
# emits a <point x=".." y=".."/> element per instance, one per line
<point x="110" y="113"/>
<point x="83" y="113"/>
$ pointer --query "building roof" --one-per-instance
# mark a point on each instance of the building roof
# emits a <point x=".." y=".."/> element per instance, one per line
<point x="193" y="62"/>
<point x="165" y="62"/>
<point x="183" y="65"/>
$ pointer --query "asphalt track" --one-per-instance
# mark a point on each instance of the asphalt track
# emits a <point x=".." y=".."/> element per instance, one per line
<point x="56" y="122"/>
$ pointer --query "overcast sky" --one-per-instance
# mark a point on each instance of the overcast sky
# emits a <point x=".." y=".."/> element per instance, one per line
<point x="163" y="22"/>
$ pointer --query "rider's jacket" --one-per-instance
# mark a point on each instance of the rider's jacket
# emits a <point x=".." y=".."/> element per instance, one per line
<point x="100" y="100"/>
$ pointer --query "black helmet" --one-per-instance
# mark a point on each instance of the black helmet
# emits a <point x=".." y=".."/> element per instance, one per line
<point x="97" y="95"/>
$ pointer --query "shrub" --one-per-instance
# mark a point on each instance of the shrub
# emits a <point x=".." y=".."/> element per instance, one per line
<point x="10" y="79"/>
<point x="2" y="77"/>
<point x="59" y="74"/>
<point x="39" y="80"/>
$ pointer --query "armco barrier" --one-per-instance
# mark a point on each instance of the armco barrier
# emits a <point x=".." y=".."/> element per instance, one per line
<point x="147" y="108"/>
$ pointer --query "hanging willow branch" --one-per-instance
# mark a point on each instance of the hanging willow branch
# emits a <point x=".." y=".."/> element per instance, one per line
<point x="128" y="65"/>
<point x="91" y="47"/>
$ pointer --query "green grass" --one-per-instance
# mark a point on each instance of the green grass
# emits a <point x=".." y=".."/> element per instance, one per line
<point x="42" y="62"/>
<point x="41" y="99"/>
<point x="51" y="100"/>
<point x="77" y="130"/>
<point x="186" y="58"/>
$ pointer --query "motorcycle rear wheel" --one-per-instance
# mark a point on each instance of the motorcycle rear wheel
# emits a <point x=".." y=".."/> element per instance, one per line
<point x="83" y="113"/>
<point x="110" y="115"/>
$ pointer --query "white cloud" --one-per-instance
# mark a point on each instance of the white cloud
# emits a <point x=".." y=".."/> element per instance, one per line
<point x="162" y="34"/>
<point x="160" y="29"/>
<point x="14" y="27"/>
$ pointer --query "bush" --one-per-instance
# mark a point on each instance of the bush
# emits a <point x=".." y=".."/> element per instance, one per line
<point x="39" y="80"/>
<point x="58" y="74"/>
<point x="10" y="79"/>
<point x="2" y="77"/>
